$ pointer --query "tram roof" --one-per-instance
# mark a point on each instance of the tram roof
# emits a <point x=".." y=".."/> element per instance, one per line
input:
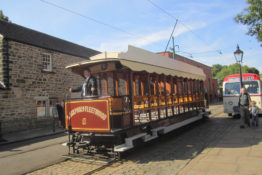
<point x="141" y="60"/>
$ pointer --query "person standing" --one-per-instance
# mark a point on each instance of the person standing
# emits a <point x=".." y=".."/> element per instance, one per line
<point x="89" y="86"/>
<point x="61" y="113"/>
<point x="254" y="113"/>
<point x="244" y="102"/>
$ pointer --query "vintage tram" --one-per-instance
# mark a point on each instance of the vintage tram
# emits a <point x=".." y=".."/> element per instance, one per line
<point x="141" y="95"/>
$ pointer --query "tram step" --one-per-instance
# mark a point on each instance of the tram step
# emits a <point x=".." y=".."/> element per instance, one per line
<point x="129" y="142"/>
<point x="149" y="137"/>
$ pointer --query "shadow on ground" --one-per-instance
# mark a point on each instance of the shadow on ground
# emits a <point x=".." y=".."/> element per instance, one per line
<point x="188" y="142"/>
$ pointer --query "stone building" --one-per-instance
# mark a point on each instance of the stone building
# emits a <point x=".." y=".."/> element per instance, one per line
<point x="32" y="67"/>
<point x="208" y="83"/>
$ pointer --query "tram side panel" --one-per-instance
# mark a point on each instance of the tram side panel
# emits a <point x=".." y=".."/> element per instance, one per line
<point x="87" y="115"/>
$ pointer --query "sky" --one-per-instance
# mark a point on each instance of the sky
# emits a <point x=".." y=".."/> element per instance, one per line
<point x="205" y="32"/>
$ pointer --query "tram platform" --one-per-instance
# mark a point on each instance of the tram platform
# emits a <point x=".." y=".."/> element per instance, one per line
<point x="29" y="134"/>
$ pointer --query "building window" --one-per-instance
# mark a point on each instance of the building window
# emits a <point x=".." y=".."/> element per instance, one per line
<point x="47" y="62"/>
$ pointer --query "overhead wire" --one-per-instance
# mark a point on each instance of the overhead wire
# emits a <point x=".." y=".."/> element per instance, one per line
<point x="170" y="15"/>
<point x="93" y="19"/>
<point x="87" y="17"/>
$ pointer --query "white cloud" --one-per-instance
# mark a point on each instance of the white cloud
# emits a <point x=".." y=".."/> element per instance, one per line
<point x="141" y="41"/>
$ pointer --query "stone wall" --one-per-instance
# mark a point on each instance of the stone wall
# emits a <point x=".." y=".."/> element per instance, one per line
<point x="28" y="83"/>
<point x="4" y="76"/>
<point x="1" y="59"/>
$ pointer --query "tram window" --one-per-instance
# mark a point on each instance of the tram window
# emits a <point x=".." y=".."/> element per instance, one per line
<point x="201" y="87"/>
<point x="103" y="87"/>
<point x="168" y="88"/>
<point x="189" y="87"/>
<point x="98" y="85"/>
<point x="161" y="88"/>
<point x="137" y="88"/>
<point x="185" y="86"/>
<point x="102" y="84"/>
<point x="122" y="87"/>
<point x="110" y="86"/>
<point x="145" y="89"/>
<point x="152" y="86"/>
<point x="194" y="84"/>
<point x="175" y="89"/>
<point x="180" y="88"/>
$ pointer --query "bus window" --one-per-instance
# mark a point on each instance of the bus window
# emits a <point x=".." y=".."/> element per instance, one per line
<point x="251" y="87"/>
<point x="232" y="88"/>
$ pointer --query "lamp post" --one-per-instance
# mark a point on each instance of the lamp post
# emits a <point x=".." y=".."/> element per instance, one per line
<point x="239" y="56"/>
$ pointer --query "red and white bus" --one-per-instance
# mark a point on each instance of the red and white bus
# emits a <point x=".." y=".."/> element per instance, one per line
<point x="231" y="91"/>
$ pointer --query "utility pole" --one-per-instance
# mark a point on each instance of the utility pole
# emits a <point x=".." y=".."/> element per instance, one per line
<point x="173" y="47"/>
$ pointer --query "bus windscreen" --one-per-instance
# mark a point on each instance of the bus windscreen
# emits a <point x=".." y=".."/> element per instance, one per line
<point x="233" y="88"/>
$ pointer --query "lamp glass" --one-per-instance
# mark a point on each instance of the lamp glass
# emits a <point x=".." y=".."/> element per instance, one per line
<point x="238" y="55"/>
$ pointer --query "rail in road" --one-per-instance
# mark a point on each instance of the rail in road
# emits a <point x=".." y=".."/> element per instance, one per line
<point x="166" y="155"/>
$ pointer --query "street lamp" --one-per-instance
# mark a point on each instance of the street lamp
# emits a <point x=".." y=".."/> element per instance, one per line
<point x="239" y="57"/>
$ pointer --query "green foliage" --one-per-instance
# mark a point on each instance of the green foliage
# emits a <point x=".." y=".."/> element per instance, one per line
<point x="252" y="16"/>
<point x="215" y="69"/>
<point x="3" y="17"/>
<point x="231" y="69"/>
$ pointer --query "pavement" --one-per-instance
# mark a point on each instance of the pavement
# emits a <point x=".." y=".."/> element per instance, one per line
<point x="29" y="134"/>
<point x="238" y="152"/>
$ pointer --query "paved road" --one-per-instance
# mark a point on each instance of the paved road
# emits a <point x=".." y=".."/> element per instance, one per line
<point x="23" y="157"/>
<point x="167" y="155"/>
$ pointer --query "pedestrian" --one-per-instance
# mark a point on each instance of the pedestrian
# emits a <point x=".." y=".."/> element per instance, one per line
<point x="206" y="97"/>
<point x="254" y="113"/>
<point x="61" y="113"/>
<point x="243" y="104"/>
<point x="89" y="86"/>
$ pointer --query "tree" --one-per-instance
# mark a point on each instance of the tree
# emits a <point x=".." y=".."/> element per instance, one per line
<point x="215" y="69"/>
<point x="252" y="16"/>
<point x="253" y="70"/>
<point x="234" y="69"/>
<point x="3" y="17"/>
